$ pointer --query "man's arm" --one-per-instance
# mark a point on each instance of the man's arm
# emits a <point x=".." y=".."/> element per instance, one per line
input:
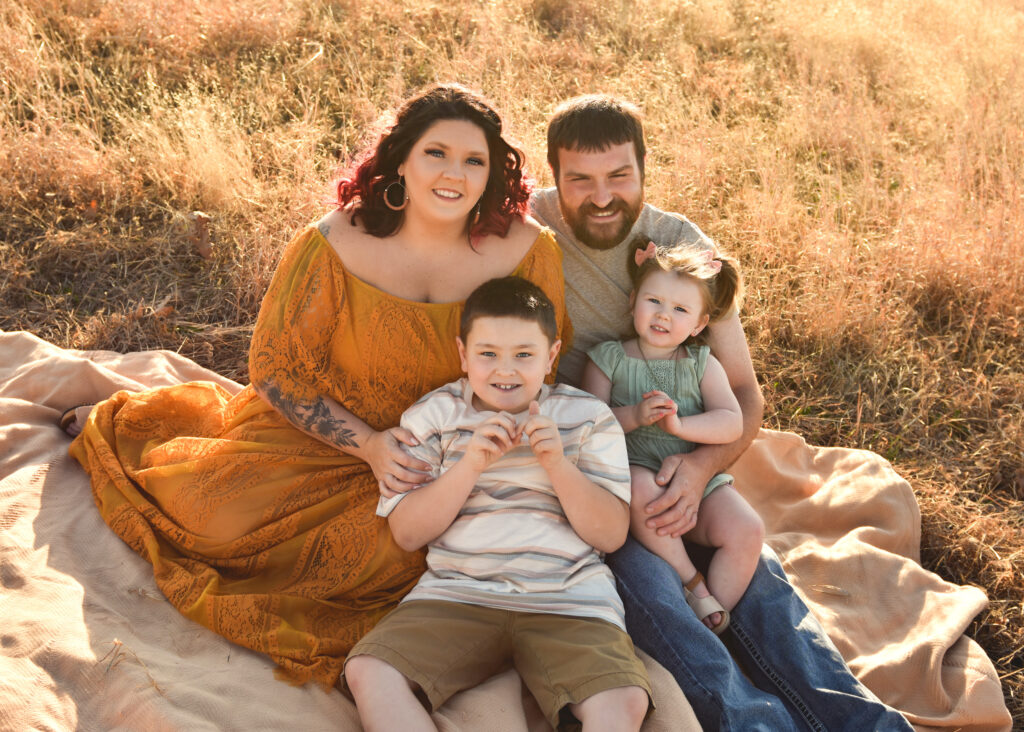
<point x="686" y="475"/>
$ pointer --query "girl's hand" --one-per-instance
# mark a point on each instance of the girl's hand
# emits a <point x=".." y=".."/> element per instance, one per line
<point x="656" y="405"/>
<point x="396" y="470"/>
<point x="672" y="424"/>
<point x="492" y="439"/>
<point x="545" y="441"/>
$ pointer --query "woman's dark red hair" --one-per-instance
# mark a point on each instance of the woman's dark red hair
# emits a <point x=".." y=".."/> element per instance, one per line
<point x="508" y="190"/>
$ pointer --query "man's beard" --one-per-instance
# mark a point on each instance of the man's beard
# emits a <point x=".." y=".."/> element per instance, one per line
<point x="578" y="221"/>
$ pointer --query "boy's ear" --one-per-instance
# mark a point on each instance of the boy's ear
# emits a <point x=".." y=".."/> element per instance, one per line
<point x="704" y="320"/>
<point x="462" y="353"/>
<point x="553" y="353"/>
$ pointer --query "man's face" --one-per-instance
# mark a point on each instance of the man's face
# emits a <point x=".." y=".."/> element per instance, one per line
<point x="600" y="193"/>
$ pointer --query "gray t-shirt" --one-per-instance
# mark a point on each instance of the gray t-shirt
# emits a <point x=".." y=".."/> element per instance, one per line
<point x="597" y="282"/>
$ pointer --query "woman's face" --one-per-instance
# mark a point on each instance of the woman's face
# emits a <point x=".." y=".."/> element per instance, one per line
<point x="446" y="171"/>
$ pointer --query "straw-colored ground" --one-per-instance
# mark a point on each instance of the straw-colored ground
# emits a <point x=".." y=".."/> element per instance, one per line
<point x="865" y="160"/>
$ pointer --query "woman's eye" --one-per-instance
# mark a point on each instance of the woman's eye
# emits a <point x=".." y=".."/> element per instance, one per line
<point x="436" y="153"/>
<point x="476" y="161"/>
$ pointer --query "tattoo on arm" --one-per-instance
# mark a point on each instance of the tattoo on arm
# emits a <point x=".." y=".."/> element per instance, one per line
<point x="324" y="228"/>
<point x="314" y="418"/>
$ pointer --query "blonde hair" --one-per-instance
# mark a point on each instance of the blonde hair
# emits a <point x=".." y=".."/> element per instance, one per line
<point x="716" y="274"/>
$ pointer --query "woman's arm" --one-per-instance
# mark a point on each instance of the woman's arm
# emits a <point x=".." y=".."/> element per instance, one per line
<point x="326" y="420"/>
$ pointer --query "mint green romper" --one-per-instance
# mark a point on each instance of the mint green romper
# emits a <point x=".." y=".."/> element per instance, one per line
<point x="649" y="445"/>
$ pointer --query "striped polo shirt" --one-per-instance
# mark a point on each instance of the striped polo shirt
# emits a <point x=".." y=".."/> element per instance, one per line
<point x="511" y="546"/>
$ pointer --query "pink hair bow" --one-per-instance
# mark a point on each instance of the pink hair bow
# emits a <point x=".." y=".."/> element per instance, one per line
<point x="642" y="255"/>
<point x="714" y="264"/>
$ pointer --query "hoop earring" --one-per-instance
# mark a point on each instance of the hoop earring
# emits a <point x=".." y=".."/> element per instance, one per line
<point x="387" y="194"/>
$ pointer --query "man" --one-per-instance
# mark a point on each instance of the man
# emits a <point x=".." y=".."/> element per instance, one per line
<point x="797" y="678"/>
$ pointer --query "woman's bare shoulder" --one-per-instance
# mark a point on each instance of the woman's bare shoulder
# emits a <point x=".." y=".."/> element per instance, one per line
<point x="520" y="238"/>
<point x="340" y="231"/>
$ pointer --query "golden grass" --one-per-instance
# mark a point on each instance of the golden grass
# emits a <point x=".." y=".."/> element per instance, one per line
<point x="864" y="159"/>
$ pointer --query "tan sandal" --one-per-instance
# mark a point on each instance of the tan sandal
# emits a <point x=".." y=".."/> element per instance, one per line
<point x="705" y="606"/>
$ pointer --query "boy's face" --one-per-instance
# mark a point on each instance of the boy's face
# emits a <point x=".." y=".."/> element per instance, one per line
<point x="506" y="360"/>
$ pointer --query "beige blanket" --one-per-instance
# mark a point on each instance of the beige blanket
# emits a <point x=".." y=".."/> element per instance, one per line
<point x="87" y="641"/>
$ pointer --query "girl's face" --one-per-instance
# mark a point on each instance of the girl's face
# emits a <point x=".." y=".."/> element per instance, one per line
<point x="446" y="171"/>
<point x="668" y="309"/>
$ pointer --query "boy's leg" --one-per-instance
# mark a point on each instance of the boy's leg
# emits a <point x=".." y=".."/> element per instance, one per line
<point x="384" y="697"/>
<point x="614" y="710"/>
<point x="727" y="522"/>
<point x="567" y="661"/>
<point x="429" y="650"/>
<point x="643" y="490"/>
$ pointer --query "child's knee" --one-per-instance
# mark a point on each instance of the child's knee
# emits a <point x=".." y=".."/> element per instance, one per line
<point x="368" y="672"/>
<point x="635" y="702"/>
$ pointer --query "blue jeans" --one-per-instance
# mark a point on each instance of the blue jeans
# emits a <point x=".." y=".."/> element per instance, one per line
<point x="797" y="679"/>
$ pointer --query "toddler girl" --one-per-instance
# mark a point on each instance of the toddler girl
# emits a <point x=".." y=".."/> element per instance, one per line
<point x="668" y="392"/>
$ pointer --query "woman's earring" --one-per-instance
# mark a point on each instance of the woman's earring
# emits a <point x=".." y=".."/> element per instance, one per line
<point x="388" y="195"/>
<point x="476" y="215"/>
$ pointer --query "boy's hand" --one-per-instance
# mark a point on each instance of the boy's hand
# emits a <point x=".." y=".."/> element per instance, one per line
<point x="544" y="439"/>
<point x="492" y="439"/>
<point x="656" y="405"/>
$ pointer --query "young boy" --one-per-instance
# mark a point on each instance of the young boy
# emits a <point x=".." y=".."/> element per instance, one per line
<point x="531" y="482"/>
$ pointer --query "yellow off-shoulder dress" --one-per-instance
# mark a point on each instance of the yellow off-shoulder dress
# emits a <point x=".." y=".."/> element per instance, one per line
<point x="261" y="533"/>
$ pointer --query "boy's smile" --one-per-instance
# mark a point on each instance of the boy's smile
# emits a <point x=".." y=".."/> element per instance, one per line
<point x="506" y="360"/>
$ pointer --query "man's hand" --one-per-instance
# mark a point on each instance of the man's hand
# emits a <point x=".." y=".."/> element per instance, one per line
<point x="545" y="441"/>
<point x="674" y="512"/>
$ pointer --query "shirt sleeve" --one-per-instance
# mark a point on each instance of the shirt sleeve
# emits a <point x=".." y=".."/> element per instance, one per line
<point x="602" y="456"/>
<point x="607" y="356"/>
<point x="544" y="268"/>
<point x="298" y="320"/>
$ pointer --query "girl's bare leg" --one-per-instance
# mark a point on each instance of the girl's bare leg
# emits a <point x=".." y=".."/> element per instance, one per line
<point x="727" y="522"/>
<point x="644" y="490"/>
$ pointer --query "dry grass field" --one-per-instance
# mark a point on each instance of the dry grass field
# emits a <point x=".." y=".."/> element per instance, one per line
<point x="863" y="158"/>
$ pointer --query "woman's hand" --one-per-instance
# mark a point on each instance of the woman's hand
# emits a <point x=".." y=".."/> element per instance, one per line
<point x="395" y="469"/>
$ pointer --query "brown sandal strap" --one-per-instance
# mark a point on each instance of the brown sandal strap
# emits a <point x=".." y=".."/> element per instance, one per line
<point x="697" y="579"/>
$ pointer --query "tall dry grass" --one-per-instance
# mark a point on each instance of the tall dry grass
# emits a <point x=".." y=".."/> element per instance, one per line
<point x="864" y="159"/>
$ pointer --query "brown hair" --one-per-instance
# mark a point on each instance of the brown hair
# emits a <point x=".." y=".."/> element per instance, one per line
<point x="716" y="274"/>
<point x="593" y="123"/>
<point x="510" y="297"/>
<point x="507" y="192"/>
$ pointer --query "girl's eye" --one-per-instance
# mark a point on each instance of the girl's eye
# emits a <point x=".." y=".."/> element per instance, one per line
<point x="680" y="309"/>
<point x="476" y="161"/>
<point x="523" y="354"/>
<point x="654" y="300"/>
<point x="487" y="354"/>
<point x="436" y="153"/>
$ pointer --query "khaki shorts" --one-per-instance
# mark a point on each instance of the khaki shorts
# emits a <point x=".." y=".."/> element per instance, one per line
<point x="446" y="647"/>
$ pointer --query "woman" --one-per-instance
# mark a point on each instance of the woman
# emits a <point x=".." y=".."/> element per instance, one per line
<point x="257" y="511"/>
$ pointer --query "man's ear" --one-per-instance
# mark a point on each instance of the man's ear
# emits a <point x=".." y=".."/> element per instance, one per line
<point x="553" y="353"/>
<point x="462" y="353"/>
